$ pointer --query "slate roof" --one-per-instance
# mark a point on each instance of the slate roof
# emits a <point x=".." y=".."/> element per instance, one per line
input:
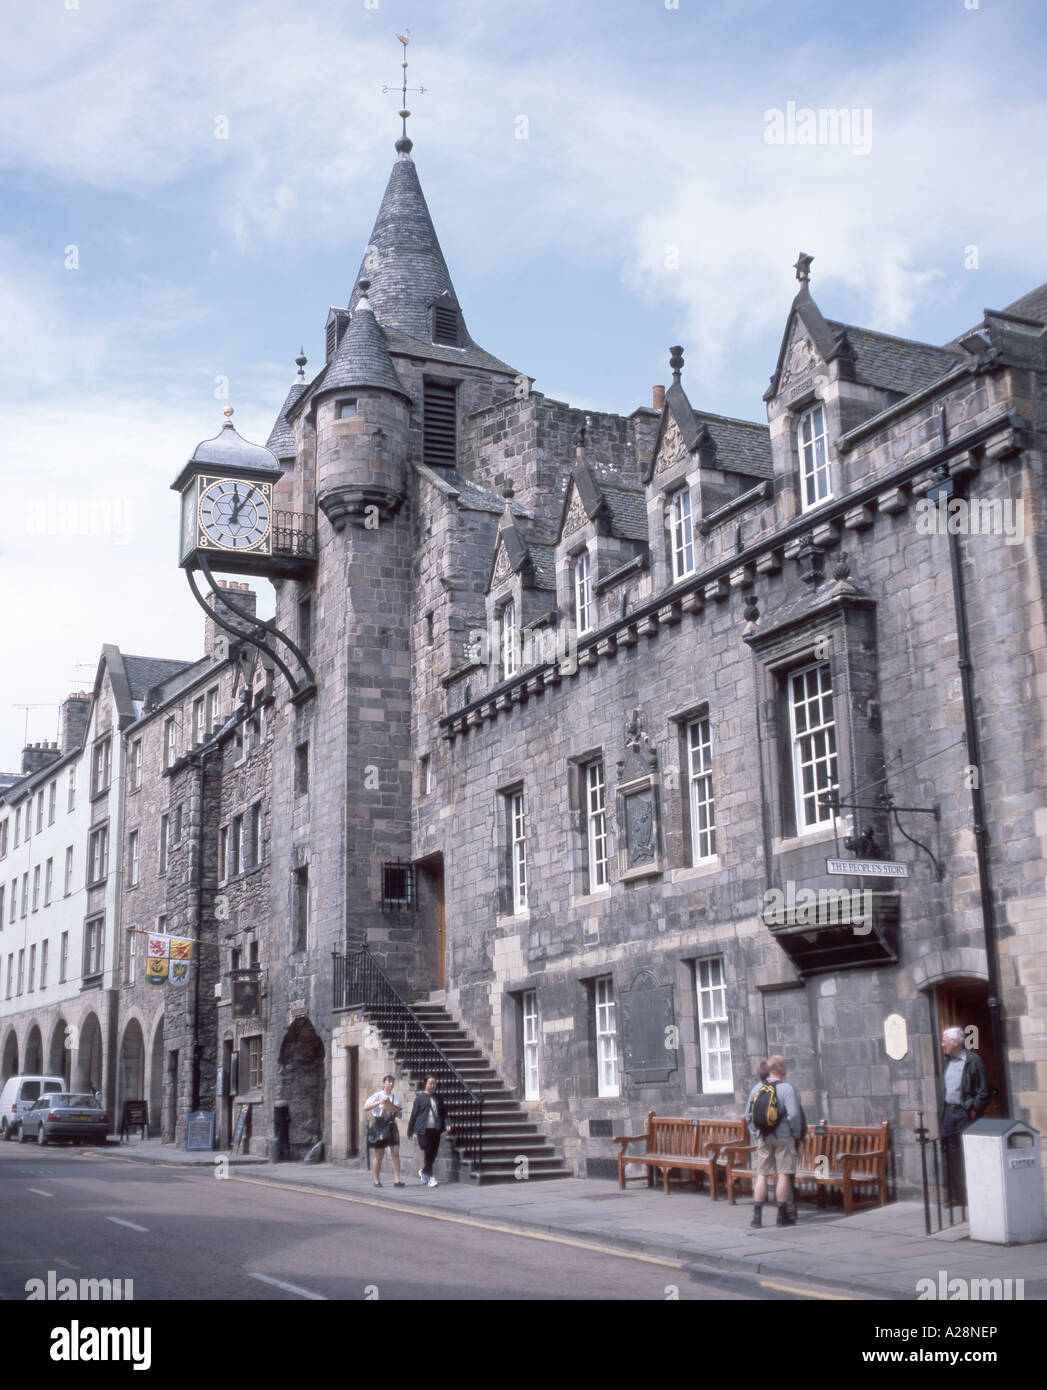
<point x="362" y="359"/>
<point x="896" y="364"/>
<point x="543" y="562"/>
<point x="281" y="437"/>
<point x="742" y="446"/>
<point x="143" y="672"/>
<point x="1031" y="306"/>
<point x="628" y="512"/>
<point x="408" y="272"/>
<point x="473" y="498"/>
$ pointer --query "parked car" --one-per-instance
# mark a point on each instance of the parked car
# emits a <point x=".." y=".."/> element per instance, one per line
<point x="20" y="1094"/>
<point x="72" y="1115"/>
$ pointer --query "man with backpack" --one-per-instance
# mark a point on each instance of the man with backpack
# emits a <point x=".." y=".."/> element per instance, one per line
<point x="778" y="1124"/>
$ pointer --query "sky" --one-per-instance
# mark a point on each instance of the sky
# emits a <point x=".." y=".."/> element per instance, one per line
<point x="187" y="187"/>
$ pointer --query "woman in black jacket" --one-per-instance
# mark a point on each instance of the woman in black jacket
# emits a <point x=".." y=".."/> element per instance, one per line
<point x="428" y="1121"/>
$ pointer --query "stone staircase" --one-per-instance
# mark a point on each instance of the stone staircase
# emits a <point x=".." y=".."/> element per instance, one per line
<point x="508" y="1134"/>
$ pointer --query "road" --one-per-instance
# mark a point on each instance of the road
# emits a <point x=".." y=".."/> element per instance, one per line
<point x="179" y="1233"/>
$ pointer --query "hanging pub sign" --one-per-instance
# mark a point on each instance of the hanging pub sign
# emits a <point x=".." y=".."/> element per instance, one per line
<point x="247" y="994"/>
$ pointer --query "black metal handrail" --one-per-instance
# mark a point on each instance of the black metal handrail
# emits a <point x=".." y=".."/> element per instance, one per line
<point x="945" y="1186"/>
<point x="294" y="533"/>
<point x="360" y="982"/>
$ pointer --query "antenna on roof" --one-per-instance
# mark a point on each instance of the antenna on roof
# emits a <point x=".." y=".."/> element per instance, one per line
<point x="404" y="145"/>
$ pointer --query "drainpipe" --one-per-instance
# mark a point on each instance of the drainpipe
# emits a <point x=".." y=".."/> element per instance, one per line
<point x="945" y="487"/>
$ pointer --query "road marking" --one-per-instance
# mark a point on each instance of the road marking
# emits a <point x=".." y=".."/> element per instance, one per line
<point x="806" y="1293"/>
<point x="470" y="1221"/>
<point x="290" y="1288"/>
<point x="119" y="1221"/>
<point x="40" y="1192"/>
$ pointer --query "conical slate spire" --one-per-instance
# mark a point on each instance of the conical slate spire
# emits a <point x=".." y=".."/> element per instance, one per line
<point x="362" y="359"/>
<point x="403" y="259"/>
<point x="281" y="437"/>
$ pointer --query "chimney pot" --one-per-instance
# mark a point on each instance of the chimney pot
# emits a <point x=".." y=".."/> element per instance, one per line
<point x="658" y="400"/>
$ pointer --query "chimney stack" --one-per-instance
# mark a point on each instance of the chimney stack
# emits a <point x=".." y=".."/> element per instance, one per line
<point x="244" y="597"/>
<point x="75" y="711"/>
<point x="37" y="756"/>
<point x="658" y="401"/>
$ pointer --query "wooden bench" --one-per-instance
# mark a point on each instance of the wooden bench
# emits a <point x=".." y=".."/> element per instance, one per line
<point x="690" y="1146"/>
<point x="842" y="1156"/>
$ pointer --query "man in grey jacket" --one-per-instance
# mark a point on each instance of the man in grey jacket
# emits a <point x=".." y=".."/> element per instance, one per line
<point x="776" y="1152"/>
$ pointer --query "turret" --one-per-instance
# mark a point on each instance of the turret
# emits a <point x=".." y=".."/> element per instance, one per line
<point x="361" y="411"/>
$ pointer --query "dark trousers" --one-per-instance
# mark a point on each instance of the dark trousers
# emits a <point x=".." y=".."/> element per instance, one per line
<point x="430" y="1142"/>
<point x="955" y="1120"/>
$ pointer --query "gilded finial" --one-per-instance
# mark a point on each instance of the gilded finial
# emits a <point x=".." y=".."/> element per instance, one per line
<point x="228" y="412"/>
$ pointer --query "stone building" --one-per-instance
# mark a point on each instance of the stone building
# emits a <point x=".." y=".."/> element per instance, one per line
<point x="609" y="693"/>
<point x="595" y="717"/>
<point x="61" y="838"/>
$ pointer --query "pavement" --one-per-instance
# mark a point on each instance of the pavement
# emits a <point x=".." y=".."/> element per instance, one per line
<point x="880" y="1252"/>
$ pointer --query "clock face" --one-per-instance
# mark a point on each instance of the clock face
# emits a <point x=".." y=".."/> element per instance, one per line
<point x="233" y="514"/>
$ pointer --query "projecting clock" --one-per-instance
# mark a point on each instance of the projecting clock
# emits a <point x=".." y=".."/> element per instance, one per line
<point x="227" y="504"/>
<point x="235" y="514"/>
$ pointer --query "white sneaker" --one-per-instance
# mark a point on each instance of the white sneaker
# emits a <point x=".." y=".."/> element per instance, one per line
<point x="423" y="1177"/>
<point x="433" y="1182"/>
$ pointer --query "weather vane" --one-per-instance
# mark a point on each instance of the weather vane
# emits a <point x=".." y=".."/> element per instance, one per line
<point x="405" y="39"/>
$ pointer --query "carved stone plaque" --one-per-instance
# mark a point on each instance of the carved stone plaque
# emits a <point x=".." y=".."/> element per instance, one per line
<point x="639" y="827"/>
<point x="576" y="514"/>
<point x="502" y="567"/>
<point x="648" y="1027"/>
<point x="673" y="448"/>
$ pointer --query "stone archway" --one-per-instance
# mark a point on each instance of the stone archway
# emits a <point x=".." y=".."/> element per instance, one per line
<point x="301" y="1085"/>
<point x="130" y="1078"/>
<point x="10" y="1062"/>
<point x="156" y="1079"/>
<point x="60" y="1053"/>
<point x="87" y="1065"/>
<point x="34" y="1051"/>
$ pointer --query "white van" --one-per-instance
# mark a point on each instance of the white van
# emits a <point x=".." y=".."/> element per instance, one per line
<point x="21" y="1093"/>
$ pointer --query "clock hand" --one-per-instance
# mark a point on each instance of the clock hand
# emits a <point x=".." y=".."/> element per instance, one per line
<point x="238" y="502"/>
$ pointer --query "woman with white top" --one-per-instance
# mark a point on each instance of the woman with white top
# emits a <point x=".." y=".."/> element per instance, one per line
<point x="385" y="1107"/>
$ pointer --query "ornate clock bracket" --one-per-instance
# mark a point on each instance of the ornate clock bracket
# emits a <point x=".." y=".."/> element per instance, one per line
<point x="259" y="630"/>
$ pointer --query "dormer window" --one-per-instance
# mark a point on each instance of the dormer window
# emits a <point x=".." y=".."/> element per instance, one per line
<point x="509" y="641"/>
<point x="814" y="458"/>
<point x="681" y="535"/>
<point x="583" y="593"/>
<point x="445" y="325"/>
<point x="332" y="339"/>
